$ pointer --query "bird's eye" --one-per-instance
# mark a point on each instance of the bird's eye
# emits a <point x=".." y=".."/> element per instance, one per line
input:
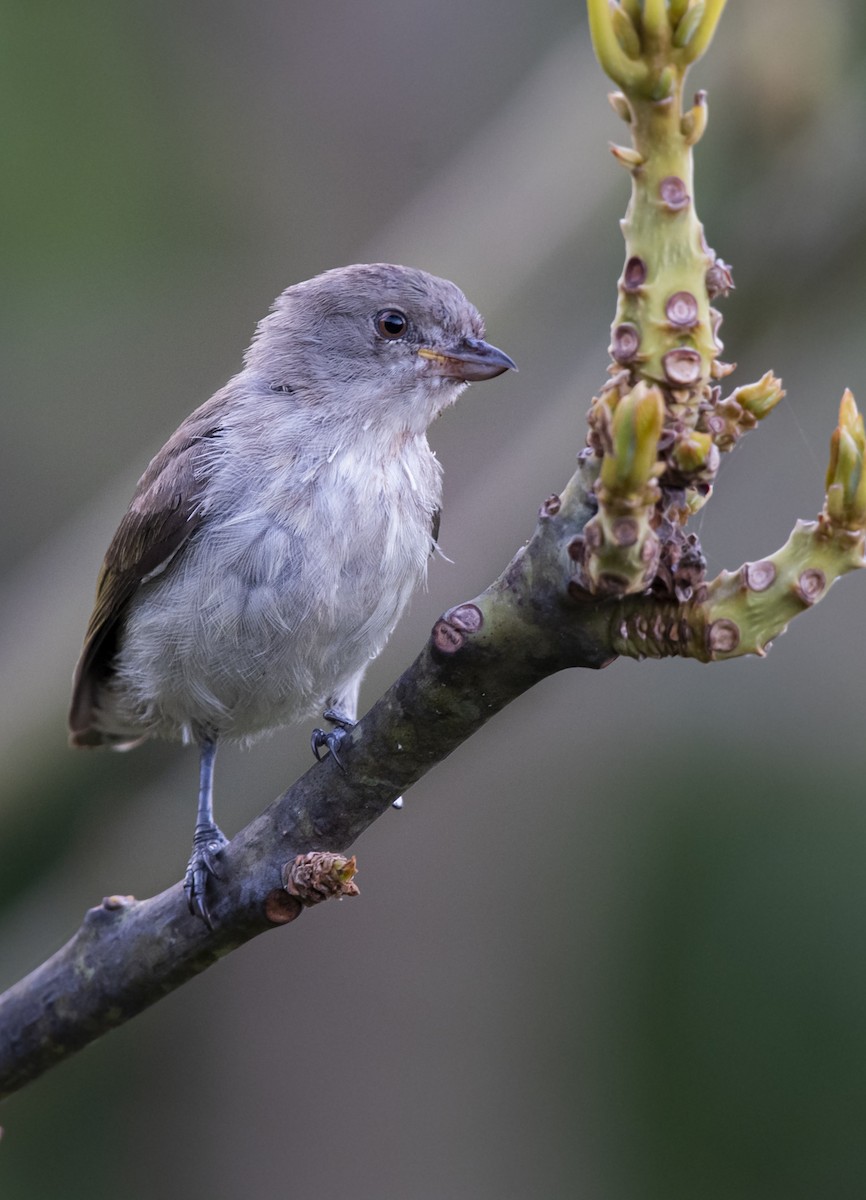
<point x="391" y="323"/>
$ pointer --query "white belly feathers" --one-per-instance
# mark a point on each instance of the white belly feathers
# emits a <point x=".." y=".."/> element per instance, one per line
<point x="259" y="628"/>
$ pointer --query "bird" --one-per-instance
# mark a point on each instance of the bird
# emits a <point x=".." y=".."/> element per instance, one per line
<point x="273" y="542"/>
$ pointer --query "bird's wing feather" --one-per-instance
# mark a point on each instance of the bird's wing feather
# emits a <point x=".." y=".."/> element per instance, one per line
<point x="163" y="514"/>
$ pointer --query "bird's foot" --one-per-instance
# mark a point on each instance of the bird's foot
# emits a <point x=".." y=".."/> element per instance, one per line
<point x="207" y="843"/>
<point x="331" y="739"/>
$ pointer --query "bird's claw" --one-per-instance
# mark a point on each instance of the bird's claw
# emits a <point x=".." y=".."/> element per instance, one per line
<point x="207" y="844"/>
<point x="328" y="740"/>
<point x="331" y="739"/>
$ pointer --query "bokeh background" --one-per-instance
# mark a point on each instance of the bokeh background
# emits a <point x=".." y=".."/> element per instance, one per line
<point x="615" y="946"/>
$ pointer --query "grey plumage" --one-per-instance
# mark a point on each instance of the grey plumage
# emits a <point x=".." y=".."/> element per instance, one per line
<point x="274" y="541"/>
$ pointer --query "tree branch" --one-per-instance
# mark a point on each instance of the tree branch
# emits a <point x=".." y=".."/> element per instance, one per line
<point x="127" y="954"/>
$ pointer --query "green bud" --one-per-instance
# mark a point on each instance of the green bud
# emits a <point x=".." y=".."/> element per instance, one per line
<point x="693" y="452"/>
<point x="847" y="464"/>
<point x="655" y="22"/>
<point x="694" y="122"/>
<point x="760" y="398"/>
<point x="700" y="37"/>
<point x="846" y="481"/>
<point x="688" y="26"/>
<point x="850" y="419"/>
<point x="635" y="430"/>
<point x="834" y="504"/>
<point x="625" y="32"/>
<point x="664" y="85"/>
<point x="676" y="11"/>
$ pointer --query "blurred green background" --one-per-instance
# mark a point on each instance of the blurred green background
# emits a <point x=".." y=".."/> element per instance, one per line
<point x="654" y="984"/>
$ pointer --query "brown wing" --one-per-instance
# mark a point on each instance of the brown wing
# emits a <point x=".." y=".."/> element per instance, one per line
<point x="163" y="515"/>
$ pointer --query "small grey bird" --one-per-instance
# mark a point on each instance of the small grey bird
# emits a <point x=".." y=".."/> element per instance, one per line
<point x="274" y="541"/>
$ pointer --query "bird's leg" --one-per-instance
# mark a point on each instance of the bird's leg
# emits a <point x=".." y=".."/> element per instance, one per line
<point x="208" y="838"/>
<point x="330" y="740"/>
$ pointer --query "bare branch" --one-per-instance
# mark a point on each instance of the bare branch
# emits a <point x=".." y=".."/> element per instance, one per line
<point x="127" y="954"/>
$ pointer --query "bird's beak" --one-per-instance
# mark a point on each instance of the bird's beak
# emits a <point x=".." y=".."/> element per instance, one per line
<point x="469" y="360"/>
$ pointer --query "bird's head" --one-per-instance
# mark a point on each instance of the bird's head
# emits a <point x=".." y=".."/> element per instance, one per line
<point x="391" y="345"/>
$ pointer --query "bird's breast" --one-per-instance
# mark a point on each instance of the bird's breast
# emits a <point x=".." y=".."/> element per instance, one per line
<point x="292" y="583"/>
